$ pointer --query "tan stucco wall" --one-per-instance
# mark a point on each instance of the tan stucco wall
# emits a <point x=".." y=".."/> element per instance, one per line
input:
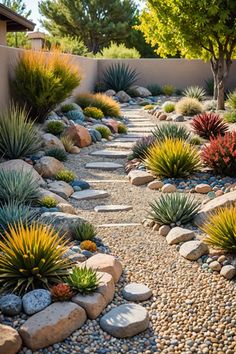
<point x="3" y="32"/>
<point x="178" y="72"/>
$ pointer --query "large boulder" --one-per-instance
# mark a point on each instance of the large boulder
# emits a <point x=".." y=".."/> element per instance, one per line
<point x="123" y="97"/>
<point x="192" y="250"/>
<point x="46" y="193"/>
<point x="80" y="135"/>
<point x="217" y="203"/>
<point x="10" y="305"/>
<point x="51" y="141"/>
<point x="10" y="340"/>
<point x="48" y="166"/>
<point x="61" y="188"/>
<point x="52" y="325"/>
<point x="112" y="124"/>
<point x="20" y="165"/>
<point x="93" y="304"/>
<point x="140" y="91"/>
<point x="106" y="286"/>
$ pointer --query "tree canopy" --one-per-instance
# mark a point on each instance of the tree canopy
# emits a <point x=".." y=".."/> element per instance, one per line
<point x="18" y="6"/>
<point x="203" y="29"/>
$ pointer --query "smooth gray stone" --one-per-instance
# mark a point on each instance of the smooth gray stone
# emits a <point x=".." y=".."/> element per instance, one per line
<point x="112" y="208"/>
<point x="90" y="194"/>
<point x="125" y="320"/>
<point x="10" y="305"/>
<point x="106" y="166"/>
<point x="136" y="292"/>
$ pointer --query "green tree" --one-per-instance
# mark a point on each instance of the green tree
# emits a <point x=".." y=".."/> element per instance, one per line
<point x="95" y="22"/>
<point x="203" y="29"/>
<point x="67" y="44"/>
<point x="118" y="51"/>
<point x="17" y="39"/>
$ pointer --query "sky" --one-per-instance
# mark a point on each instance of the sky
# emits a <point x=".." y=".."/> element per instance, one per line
<point x="35" y="16"/>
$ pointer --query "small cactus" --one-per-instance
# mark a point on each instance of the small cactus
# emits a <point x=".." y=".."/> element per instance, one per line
<point x="88" y="246"/>
<point x="61" y="292"/>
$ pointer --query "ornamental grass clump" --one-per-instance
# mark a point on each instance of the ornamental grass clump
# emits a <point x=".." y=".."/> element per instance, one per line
<point x="42" y="80"/>
<point x="33" y="256"/>
<point x="48" y="202"/>
<point x="231" y="100"/>
<point x="220" y="154"/>
<point x="84" y="231"/>
<point x="57" y="153"/>
<point x="67" y="142"/>
<point x="174" y="208"/>
<point x="195" y="92"/>
<point x="84" y="280"/>
<point x="108" y="106"/>
<point x="119" y="77"/>
<point x="18" y="135"/>
<point x="122" y="128"/>
<point x="141" y="147"/>
<point x="171" y="131"/>
<point x="168" y="90"/>
<point x="55" y="127"/>
<point x="172" y="158"/>
<point x="168" y="107"/>
<point x="18" y="185"/>
<point x="208" y="125"/>
<point x="94" y="112"/>
<point x="220" y="228"/>
<point x="188" y="106"/>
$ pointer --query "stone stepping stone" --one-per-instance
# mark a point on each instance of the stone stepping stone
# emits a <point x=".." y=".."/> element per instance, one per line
<point x="141" y="125"/>
<point x="134" y="224"/>
<point x="121" y="145"/>
<point x="111" y="153"/>
<point x="112" y="208"/>
<point x="136" y="292"/>
<point x="127" y="140"/>
<point x="136" y="135"/>
<point x="140" y="129"/>
<point x="125" y="320"/>
<point x="89" y="194"/>
<point x="109" y="181"/>
<point x="106" y="166"/>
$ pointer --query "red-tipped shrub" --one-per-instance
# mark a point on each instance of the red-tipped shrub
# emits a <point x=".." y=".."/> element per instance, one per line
<point x="220" y="154"/>
<point x="208" y="125"/>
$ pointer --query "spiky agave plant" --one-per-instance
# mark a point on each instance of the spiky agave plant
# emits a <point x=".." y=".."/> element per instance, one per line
<point x="119" y="77"/>
<point x="84" y="280"/>
<point x="32" y="256"/>
<point x="140" y="148"/>
<point x="84" y="231"/>
<point x="208" y="125"/>
<point x="172" y="158"/>
<point x="18" y="135"/>
<point x="221" y="229"/>
<point x="195" y="92"/>
<point x="174" y="208"/>
<point x="171" y="130"/>
<point x="18" y="185"/>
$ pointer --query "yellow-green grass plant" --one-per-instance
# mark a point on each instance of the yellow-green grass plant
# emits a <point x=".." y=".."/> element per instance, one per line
<point x="172" y="158"/>
<point x="94" y="112"/>
<point x="108" y="106"/>
<point x="220" y="228"/>
<point x="188" y="106"/>
<point x="66" y="176"/>
<point x="67" y="142"/>
<point x="33" y="256"/>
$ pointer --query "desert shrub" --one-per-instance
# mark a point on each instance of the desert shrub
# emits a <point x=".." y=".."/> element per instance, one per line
<point x="220" y="228"/>
<point x="61" y="292"/>
<point x="57" y="153"/>
<point x="18" y="136"/>
<point x="188" y="106"/>
<point x="119" y="77"/>
<point x="88" y="246"/>
<point x="141" y="147"/>
<point x="75" y="115"/>
<point x="195" y="92"/>
<point x="209" y="86"/>
<point x="13" y="213"/>
<point x="148" y="107"/>
<point x="170" y="131"/>
<point x="93" y="112"/>
<point x="100" y="87"/>
<point x="55" y="127"/>
<point x="174" y="208"/>
<point x="104" y="131"/>
<point x="48" y="202"/>
<point x="155" y="89"/>
<point x="67" y="107"/>
<point x="220" y="154"/>
<point x="18" y="186"/>
<point x="122" y="128"/>
<point x="67" y="142"/>
<point x="107" y="105"/>
<point x="119" y="51"/>
<point x="84" y="280"/>
<point x="230" y="117"/>
<point x="172" y="158"/>
<point x="43" y="80"/>
<point x="210" y="105"/>
<point x="32" y="256"/>
<point x="84" y="231"/>
<point x="168" y="90"/>
<point x="231" y="100"/>
<point x="168" y="107"/>
<point x="208" y="125"/>
<point x="66" y="176"/>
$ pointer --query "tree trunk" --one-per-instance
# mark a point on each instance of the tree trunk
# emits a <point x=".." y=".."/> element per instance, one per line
<point x="214" y="69"/>
<point x="221" y="83"/>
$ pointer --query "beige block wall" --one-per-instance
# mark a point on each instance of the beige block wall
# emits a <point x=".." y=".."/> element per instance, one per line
<point x="3" y="32"/>
<point x="178" y="72"/>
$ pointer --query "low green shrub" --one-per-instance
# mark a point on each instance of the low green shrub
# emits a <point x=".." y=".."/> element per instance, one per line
<point x="170" y="131"/>
<point x="168" y="90"/>
<point x="188" y="106"/>
<point x="104" y="131"/>
<point x="168" y="107"/>
<point x="55" y="127"/>
<point x="122" y="128"/>
<point x="84" y="231"/>
<point x="84" y="280"/>
<point x="57" y="153"/>
<point x="18" y="136"/>
<point x="93" y="112"/>
<point x="118" y="51"/>
<point x="155" y="89"/>
<point x="48" y="202"/>
<point x="67" y="107"/>
<point x="230" y="117"/>
<point x="108" y="106"/>
<point x="174" y="208"/>
<point x="66" y="176"/>
<point x="195" y="92"/>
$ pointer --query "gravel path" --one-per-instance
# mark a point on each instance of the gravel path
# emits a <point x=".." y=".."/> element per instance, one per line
<point x="191" y="311"/>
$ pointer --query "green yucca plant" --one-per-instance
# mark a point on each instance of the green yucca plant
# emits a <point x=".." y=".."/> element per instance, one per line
<point x="18" y="136"/>
<point x="57" y="153"/>
<point x="221" y="229"/>
<point x="84" y="231"/>
<point x="84" y="280"/>
<point x="231" y="100"/>
<point x="172" y="158"/>
<point x="108" y="106"/>
<point x="170" y="131"/>
<point x="119" y="77"/>
<point x="66" y="176"/>
<point x="104" y="131"/>
<point x="14" y="213"/>
<point x="195" y="92"/>
<point x="174" y="208"/>
<point x="32" y="256"/>
<point x="18" y="186"/>
<point x="55" y="127"/>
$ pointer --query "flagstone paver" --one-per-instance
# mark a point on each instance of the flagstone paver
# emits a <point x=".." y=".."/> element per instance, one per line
<point x="90" y="194"/>
<point x="112" y="208"/>
<point x="108" y="166"/>
<point x="111" y="153"/>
